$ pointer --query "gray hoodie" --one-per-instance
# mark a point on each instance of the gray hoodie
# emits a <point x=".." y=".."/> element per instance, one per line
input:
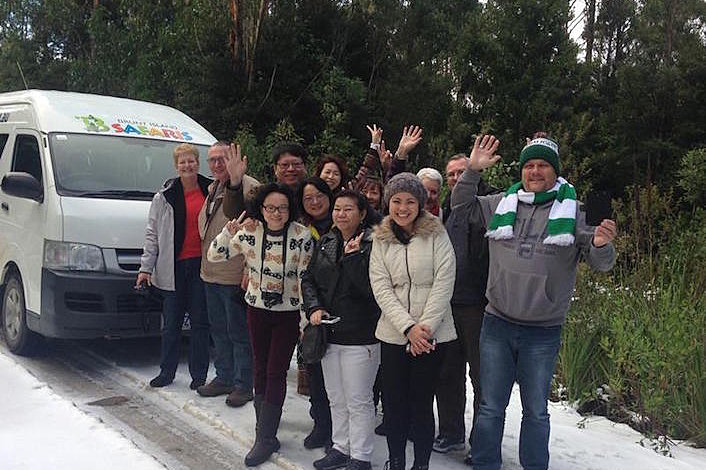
<point x="528" y="282"/>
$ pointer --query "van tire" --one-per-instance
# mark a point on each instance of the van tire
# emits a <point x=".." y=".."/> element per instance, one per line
<point x="19" y="338"/>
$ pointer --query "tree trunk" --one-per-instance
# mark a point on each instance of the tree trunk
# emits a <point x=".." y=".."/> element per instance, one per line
<point x="590" y="31"/>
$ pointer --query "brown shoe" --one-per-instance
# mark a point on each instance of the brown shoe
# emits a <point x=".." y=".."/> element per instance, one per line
<point x="214" y="388"/>
<point x="238" y="397"/>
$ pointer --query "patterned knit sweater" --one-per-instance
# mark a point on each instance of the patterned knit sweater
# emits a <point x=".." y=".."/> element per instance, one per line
<point x="272" y="285"/>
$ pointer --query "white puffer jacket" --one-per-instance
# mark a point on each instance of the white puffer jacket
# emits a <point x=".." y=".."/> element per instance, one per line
<point x="413" y="283"/>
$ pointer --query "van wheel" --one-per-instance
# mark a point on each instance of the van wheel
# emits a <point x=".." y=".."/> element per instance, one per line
<point x="19" y="338"/>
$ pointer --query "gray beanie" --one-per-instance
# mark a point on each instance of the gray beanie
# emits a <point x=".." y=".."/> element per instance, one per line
<point x="406" y="183"/>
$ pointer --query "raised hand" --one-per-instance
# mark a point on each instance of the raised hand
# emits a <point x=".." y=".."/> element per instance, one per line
<point x="604" y="233"/>
<point x="236" y="165"/>
<point x="375" y="134"/>
<point x="483" y="153"/>
<point x="411" y="136"/>
<point x="353" y="244"/>
<point x="385" y="156"/>
<point x="234" y="225"/>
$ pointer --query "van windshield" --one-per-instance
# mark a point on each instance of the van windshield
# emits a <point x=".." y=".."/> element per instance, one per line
<point x="112" y="167"/>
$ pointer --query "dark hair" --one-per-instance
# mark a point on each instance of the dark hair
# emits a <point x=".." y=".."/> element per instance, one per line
<point x="288" y="147"/>
<point x="319" y="184"/>
<point x="539" y="134"/>
<point x="360" y="200"/>
<point x="458" y="156"/>
<point x="339" y="162"/>
<point x="264" y="191"/>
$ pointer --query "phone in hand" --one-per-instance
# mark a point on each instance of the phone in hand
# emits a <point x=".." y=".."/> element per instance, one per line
<point x="598" y="207"/>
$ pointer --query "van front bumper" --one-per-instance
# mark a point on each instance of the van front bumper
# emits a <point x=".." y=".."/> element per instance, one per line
<point x="82" y="305"/>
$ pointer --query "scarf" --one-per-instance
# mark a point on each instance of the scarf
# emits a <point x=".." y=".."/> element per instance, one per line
<point x="562" y="215"/>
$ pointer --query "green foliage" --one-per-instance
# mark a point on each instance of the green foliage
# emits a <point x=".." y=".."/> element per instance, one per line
<point x="640" y="334"/>
<point x="692" y="176"/>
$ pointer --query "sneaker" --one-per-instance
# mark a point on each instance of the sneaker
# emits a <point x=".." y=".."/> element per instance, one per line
<point x="238" y="397"/>
<point x="332" y="460"/>
<point x="214" y="388"/>
<point x="445" y="444"/>
<point x="161" y="381"/>
<point x="355" y="464"/>
<point x="196" y="383"/>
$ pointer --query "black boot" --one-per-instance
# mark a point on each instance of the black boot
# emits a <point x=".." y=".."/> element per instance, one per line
<point x="257" y="402"/>
<point x="395" y="463"/>
<point x="266" y="442"/>
<point x="320" y="435"/>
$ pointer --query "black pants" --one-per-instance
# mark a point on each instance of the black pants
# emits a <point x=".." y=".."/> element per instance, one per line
<point x="451" y="388"/>
<point x="408" y="385"/>
<point x="320" y="409"/>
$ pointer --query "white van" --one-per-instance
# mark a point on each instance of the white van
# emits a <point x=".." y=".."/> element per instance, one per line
<point x="77" y="175"/>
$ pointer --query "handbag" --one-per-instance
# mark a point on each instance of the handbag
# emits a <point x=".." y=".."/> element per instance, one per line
<point x="313" y="343"/>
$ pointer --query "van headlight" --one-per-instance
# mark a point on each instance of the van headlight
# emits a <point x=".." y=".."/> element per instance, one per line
<point x="72" y="256"/>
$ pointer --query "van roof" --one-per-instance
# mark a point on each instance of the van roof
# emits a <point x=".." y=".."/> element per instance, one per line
<point x="61" y="111"/>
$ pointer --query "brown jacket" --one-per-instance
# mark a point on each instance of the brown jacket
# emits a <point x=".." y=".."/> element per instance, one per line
<point x="213" y="217"/>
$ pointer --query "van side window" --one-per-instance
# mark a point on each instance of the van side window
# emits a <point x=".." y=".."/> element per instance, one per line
<point x="3" y="141"/>
<point x="27" y="156"/>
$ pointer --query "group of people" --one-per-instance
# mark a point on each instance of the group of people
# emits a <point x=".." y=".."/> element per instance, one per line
<point x="410" y="289"/>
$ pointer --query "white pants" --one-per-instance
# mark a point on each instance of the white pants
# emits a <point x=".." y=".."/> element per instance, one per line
<point x="349" y="374"/>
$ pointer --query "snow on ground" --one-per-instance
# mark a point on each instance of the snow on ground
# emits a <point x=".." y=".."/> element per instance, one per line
<point x="576" y="443"/>
<point x="37" y="426"/>
<point x="41" y="430"/>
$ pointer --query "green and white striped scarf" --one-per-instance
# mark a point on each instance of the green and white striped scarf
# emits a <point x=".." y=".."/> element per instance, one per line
<point x="562" y="215"/>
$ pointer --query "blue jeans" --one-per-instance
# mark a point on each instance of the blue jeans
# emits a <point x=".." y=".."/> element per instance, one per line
<point x="510" y="352"/>
<point x="188" y="296"/>
<point x="229" y="330"/>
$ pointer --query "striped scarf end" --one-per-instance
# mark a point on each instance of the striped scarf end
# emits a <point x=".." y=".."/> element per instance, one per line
<point x="501" y="233"/>
<point x="564" y="239"/>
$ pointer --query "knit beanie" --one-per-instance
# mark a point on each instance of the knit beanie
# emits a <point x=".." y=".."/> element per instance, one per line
<point x="543" y="149"/>
<point x="406" y="183"/>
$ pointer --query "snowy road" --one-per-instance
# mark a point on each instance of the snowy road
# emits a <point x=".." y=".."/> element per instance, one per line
<point x="89" y="405"/>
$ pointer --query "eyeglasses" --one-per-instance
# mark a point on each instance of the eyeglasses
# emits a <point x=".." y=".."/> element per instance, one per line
<point x="285" y="165"/>
<point x="315" y="198"/>
<point x="216" y="161"/>
<point x="454" y="174"/>
<point x="273" y="209"/>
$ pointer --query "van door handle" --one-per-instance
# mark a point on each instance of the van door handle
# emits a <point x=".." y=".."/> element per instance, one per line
<point x="5" y="207"/>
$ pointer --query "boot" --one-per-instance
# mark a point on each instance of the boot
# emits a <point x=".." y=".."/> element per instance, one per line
<point x="320" y="435"/>
<point x="266" y="442"/>
<point x="395" y="463"/>
<point x="257" y="402"/>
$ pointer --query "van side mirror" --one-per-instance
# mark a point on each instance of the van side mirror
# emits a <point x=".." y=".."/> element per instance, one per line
<point x="21" y="184"/>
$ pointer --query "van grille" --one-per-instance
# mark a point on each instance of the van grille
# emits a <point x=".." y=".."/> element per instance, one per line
<point x="135" y="303"/>
<point x="84" y="302"/>
<point x="128" y="259"/>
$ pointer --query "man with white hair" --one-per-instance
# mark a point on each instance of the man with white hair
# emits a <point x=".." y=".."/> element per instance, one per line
<point x="432" y="180"/>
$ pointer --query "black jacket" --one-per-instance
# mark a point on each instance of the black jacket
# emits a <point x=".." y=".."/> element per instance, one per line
<point x="471" y="249"/>
<point x="339" y="284"/>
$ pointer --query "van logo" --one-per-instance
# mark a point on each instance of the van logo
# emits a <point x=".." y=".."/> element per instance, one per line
<point x="4" y="117"/>
<point x="93" y="123"/>
<point x="125" y="126"/>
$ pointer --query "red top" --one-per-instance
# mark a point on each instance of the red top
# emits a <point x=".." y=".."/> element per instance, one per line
<point x="192" y="241"/>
